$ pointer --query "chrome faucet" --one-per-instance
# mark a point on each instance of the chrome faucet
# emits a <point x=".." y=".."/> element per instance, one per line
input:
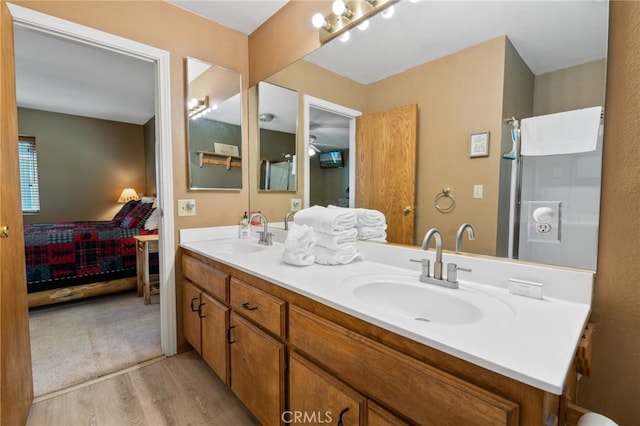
<point x="470" y="233"/>
<point x="437" y="266"/>
<point x="286" y="219"/>
<point x="451" y="281"/>
<point x="265" y="235"/>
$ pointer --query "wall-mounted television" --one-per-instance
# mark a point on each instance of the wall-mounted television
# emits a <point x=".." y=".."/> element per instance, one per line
<point x="331" y="159"/>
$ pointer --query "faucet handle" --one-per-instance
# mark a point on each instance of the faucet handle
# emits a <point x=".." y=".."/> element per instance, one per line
<point x="425" y="266"/>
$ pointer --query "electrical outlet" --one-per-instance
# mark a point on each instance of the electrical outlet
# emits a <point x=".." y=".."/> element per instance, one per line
<point x="543" y="228"/>
<point x="543" y="221"/>
<point x="186" y="207"/>
<point x="296" y="204"/>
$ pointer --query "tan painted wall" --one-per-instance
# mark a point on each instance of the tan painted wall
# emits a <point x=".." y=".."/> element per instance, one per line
<point x="614" y="388"/>
<point x="150" y="157"/>
<point x="457" y="95"/>
<point x="109" y="156"/>
<point x="576" y="87"/>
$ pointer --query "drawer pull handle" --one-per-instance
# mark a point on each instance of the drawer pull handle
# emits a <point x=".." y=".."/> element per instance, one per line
<point x="229" y="334"/>
<point x="342" y="413"/>
<point x="200" y="310"/>
<point x="195" y="299"/>
<point x="246" y="306"/>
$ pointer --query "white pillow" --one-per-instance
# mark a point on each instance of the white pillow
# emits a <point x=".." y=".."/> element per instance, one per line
<point x="152" y="221"/>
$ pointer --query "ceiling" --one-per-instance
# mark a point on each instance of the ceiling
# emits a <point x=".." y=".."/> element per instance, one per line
<point x="65" y="76"/>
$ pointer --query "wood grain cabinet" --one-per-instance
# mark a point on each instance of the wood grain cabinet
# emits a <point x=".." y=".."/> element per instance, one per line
<point x="315" y="397"/>
<point x="257" y="351"/>
<point x="205" y="317"/>
<point x="257" y="370"/>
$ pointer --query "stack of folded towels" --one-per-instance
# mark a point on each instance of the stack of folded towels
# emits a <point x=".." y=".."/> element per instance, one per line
<point x="335" y="234"/>
<point x="298" y="246"/>
<point x="370" y="224"/>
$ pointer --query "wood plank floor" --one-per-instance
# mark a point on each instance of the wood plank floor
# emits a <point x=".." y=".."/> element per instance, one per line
<point x="181" y="390"/>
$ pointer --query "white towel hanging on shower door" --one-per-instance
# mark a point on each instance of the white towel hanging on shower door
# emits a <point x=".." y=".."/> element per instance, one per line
<point x="567" y="132"/>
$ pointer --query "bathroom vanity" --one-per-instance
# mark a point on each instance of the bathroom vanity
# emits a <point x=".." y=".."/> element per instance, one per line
<point x="367" y="343"/>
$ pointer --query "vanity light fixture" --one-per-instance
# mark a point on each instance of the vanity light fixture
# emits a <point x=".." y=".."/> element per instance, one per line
<point x="345" y="16"/>
<point x="345" y="37"/>
<point x="266" y="117"/>
<point x="198" y="107"/>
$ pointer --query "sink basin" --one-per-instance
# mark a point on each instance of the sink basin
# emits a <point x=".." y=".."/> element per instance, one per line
<point x="418" y="302"/>
<point x="235" y="248"/>
<point x="404" y="298"/>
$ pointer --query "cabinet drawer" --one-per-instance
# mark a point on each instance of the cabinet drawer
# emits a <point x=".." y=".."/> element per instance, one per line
<point x="208" y="278"/>
<point x="418" y="391"/>
<point x="263" y="309"/>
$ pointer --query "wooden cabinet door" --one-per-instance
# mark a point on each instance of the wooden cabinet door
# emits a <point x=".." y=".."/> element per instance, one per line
<point x="378" y="416"/>
<point x="190" y="318"/>
<point x="257" y="370"/>
<point x="215" y="323"/>
<point x="316" y="397"/>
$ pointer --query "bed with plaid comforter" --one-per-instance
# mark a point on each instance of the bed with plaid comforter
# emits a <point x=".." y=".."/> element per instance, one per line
<point x="72" y="253"/>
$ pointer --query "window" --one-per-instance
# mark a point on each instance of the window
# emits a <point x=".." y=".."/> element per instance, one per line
<point x="29" y="187"/>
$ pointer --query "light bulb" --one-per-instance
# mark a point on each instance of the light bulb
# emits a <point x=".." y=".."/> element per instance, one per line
<point x="311" y="152"/>
<point x="345" y="37"/>
<point x="339" y="8"/>
<point x="388" y="13"/>
<point x="318" y="21"/>
<point x="364" y="25"/>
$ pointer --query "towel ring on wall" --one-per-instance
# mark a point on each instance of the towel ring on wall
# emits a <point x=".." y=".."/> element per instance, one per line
<point x="446" y="208"/>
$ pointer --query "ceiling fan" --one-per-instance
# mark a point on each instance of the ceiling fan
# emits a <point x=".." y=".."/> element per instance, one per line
<point x="316" y="148"/>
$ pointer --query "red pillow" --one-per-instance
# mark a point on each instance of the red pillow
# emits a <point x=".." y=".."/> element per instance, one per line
<point x="119" y="217"/>
<point x="136" y="215"/>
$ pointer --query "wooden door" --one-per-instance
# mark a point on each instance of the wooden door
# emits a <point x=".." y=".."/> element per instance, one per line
<point x="386" y="155"/>
<point x="190" y="317"/>
<point x="320" y="397"/>
<point x="257" y="370"/>
<point x="215" y="323"/>
<point x="16" y="384"/>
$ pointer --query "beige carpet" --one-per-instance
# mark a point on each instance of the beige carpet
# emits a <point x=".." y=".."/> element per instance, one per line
<point x="84" y="340"/>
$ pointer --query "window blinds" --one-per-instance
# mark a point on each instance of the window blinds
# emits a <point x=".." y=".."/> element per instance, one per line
<point x="29" y="187"/>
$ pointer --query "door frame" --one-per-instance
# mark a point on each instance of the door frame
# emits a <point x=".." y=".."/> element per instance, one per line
<point x="164" y="159"/>
<point x="351" y="114"/>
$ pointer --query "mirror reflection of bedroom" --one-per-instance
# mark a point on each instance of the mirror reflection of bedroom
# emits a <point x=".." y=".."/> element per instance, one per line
<point x="87" y="165"/>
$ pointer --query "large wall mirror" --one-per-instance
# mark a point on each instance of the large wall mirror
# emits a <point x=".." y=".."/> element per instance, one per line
<point x="474" y="78"/>
<point x="277" y="124"/>
<point x="214" y="127"/>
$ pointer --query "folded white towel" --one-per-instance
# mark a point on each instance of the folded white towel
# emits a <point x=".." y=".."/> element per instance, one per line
<point x="366" y="217"/>
<point x="298" y="246"/>
<point x="298" y="259"/>
<point x="561" y="133"/>
<point x="326" y="220"/>
<point x="337" y="240"/>
<point x="372" y="233"/>
<point x="326" y="256"/>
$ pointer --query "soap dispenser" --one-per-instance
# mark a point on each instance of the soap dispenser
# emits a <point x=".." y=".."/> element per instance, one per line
<point x="244" y="230"/>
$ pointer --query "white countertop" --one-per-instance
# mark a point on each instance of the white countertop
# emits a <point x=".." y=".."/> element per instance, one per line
<point x="529" y="340"/>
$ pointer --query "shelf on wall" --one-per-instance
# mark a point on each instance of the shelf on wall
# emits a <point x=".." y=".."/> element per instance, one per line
<point x="207" y="157"/>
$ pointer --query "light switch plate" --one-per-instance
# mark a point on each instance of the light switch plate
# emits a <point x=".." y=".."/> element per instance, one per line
<point x="186" y="207"/>
<point x="477" y="191"/>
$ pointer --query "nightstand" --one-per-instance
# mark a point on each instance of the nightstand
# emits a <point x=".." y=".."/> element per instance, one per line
<point x="148" y="284"/>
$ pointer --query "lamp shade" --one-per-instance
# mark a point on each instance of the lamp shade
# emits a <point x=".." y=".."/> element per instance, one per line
<point x="128" y="194"/>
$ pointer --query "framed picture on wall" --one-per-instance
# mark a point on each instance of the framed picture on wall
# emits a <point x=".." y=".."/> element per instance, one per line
<point x="479" y="144"/>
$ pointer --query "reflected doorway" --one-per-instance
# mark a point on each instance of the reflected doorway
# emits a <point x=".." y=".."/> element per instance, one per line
<point x="329" y="153"/>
